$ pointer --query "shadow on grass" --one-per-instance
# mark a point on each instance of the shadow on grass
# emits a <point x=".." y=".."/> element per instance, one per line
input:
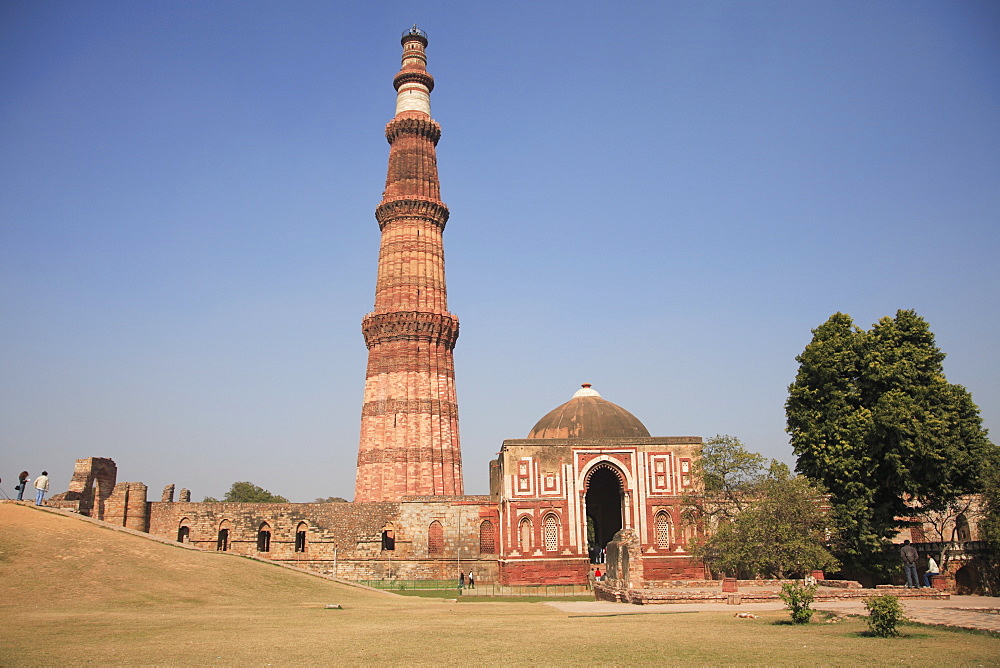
<point x="636" y="614"/>
<point x="901" y="636"/>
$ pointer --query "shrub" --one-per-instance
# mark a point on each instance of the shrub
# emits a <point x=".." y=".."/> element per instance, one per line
<point x="797" y="599"/>
<point x="884" y="615"/>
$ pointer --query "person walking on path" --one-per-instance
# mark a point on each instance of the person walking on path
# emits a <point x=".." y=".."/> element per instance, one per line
<point x="22" y="482"/>
<point x="41" y="486"/>
<point x="461" y="580"/>
<point x="472" y="580"/>
<point x="909" y="555"/>
<point x="932" y="569"/>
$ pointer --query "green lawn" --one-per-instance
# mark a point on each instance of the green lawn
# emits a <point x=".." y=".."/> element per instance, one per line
<point x="74" y="593"/>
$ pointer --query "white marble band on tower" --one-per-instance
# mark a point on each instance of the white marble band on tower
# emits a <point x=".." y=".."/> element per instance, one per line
<point x="413" y="97"/>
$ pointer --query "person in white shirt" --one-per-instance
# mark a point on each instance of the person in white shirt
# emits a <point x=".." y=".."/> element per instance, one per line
<point x="41" y="486"/>
<point x="932" y="569"/>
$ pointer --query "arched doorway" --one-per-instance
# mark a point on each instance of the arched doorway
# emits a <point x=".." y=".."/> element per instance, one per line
<point x="300" y="536"/>
<point x="264" y="537"/>
<point x="603" y="509"/>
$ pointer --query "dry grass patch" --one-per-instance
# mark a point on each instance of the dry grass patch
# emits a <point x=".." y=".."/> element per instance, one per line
<point x="75" y="593"/>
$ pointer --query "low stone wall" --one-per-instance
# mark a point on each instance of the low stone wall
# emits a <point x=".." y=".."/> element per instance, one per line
<point x="839" y="584"/>
<point x="604" y="591"/>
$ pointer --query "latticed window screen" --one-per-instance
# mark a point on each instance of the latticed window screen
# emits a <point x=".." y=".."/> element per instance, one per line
<point x="551" y="533"/>
<point x="661" y="524"/>
<point x="435" y="538"/>
<point x="487" y="539"/>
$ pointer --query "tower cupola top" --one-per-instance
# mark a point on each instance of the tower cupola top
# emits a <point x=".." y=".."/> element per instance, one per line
<point x="414" y="33"/>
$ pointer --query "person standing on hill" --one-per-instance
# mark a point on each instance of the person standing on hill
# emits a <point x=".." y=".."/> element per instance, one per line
<point x="909" y="555"/>
<point x="41" y="486"/>
<point x="22" y="482"/>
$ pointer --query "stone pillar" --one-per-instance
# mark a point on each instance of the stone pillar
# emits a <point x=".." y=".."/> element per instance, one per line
<point x="185" y="495"/>
<point x="168" y="494"/>
<point x="623" y="558"/>
<point x="137" y="516"/>
<point x="127" y="506"/>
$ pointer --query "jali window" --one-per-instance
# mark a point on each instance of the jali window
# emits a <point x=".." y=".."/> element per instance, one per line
<point x="661" y="526"/>
<point x="551" y="533"/>
<point x="487" y="538"/>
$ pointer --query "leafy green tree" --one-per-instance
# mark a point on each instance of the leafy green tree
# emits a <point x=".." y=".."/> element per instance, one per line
<point x="760" y="521"/>
<point x="331" y="499"/>
<point x="729" y="473"/>
<point x="829" y="425"/>
<point x="873" y="419"/>
<point x="247" y="492"/>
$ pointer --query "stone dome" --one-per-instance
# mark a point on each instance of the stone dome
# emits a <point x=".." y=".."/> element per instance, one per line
<point x="587" y="415"/>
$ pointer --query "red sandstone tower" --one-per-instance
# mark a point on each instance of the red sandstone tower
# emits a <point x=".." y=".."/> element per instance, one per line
<point x="409" y="421"/>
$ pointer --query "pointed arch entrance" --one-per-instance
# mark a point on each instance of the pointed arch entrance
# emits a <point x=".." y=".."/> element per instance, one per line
<point x="604" y="508"/>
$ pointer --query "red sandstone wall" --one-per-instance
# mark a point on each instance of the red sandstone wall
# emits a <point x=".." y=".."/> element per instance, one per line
<point x="677" y="567"/>
<point x="550" y="571"/>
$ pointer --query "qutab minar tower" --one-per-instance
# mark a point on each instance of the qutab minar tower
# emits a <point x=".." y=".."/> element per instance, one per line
<point x="409" y="420"/>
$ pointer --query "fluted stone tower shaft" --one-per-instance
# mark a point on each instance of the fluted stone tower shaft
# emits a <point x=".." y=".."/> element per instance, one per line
<point x="409" y="421"/>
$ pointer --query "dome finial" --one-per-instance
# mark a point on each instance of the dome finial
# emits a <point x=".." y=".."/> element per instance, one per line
<point x="585" y="391"/>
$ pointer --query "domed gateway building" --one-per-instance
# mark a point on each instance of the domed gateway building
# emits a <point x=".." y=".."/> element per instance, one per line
<point x="588" y="469"/>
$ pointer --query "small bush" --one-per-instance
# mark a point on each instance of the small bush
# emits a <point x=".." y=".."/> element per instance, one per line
<point x="884" y="615"/>
<point x="797" y="599"/>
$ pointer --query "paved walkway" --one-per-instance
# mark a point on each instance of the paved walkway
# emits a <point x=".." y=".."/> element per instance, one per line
<point x="970" y="612"/>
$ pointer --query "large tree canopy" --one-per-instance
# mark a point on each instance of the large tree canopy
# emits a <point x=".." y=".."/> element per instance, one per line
<point x="872" y="417"/>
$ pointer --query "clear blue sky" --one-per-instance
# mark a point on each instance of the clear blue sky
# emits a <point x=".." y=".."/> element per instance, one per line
<point x="659" y="198"/>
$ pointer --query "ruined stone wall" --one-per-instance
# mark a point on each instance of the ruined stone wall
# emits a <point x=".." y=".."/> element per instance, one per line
<point x="344" y="539"/>
<point x="93" y="480"/>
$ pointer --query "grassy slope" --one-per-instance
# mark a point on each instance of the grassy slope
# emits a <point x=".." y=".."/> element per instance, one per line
<point x="73" y="593"/>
